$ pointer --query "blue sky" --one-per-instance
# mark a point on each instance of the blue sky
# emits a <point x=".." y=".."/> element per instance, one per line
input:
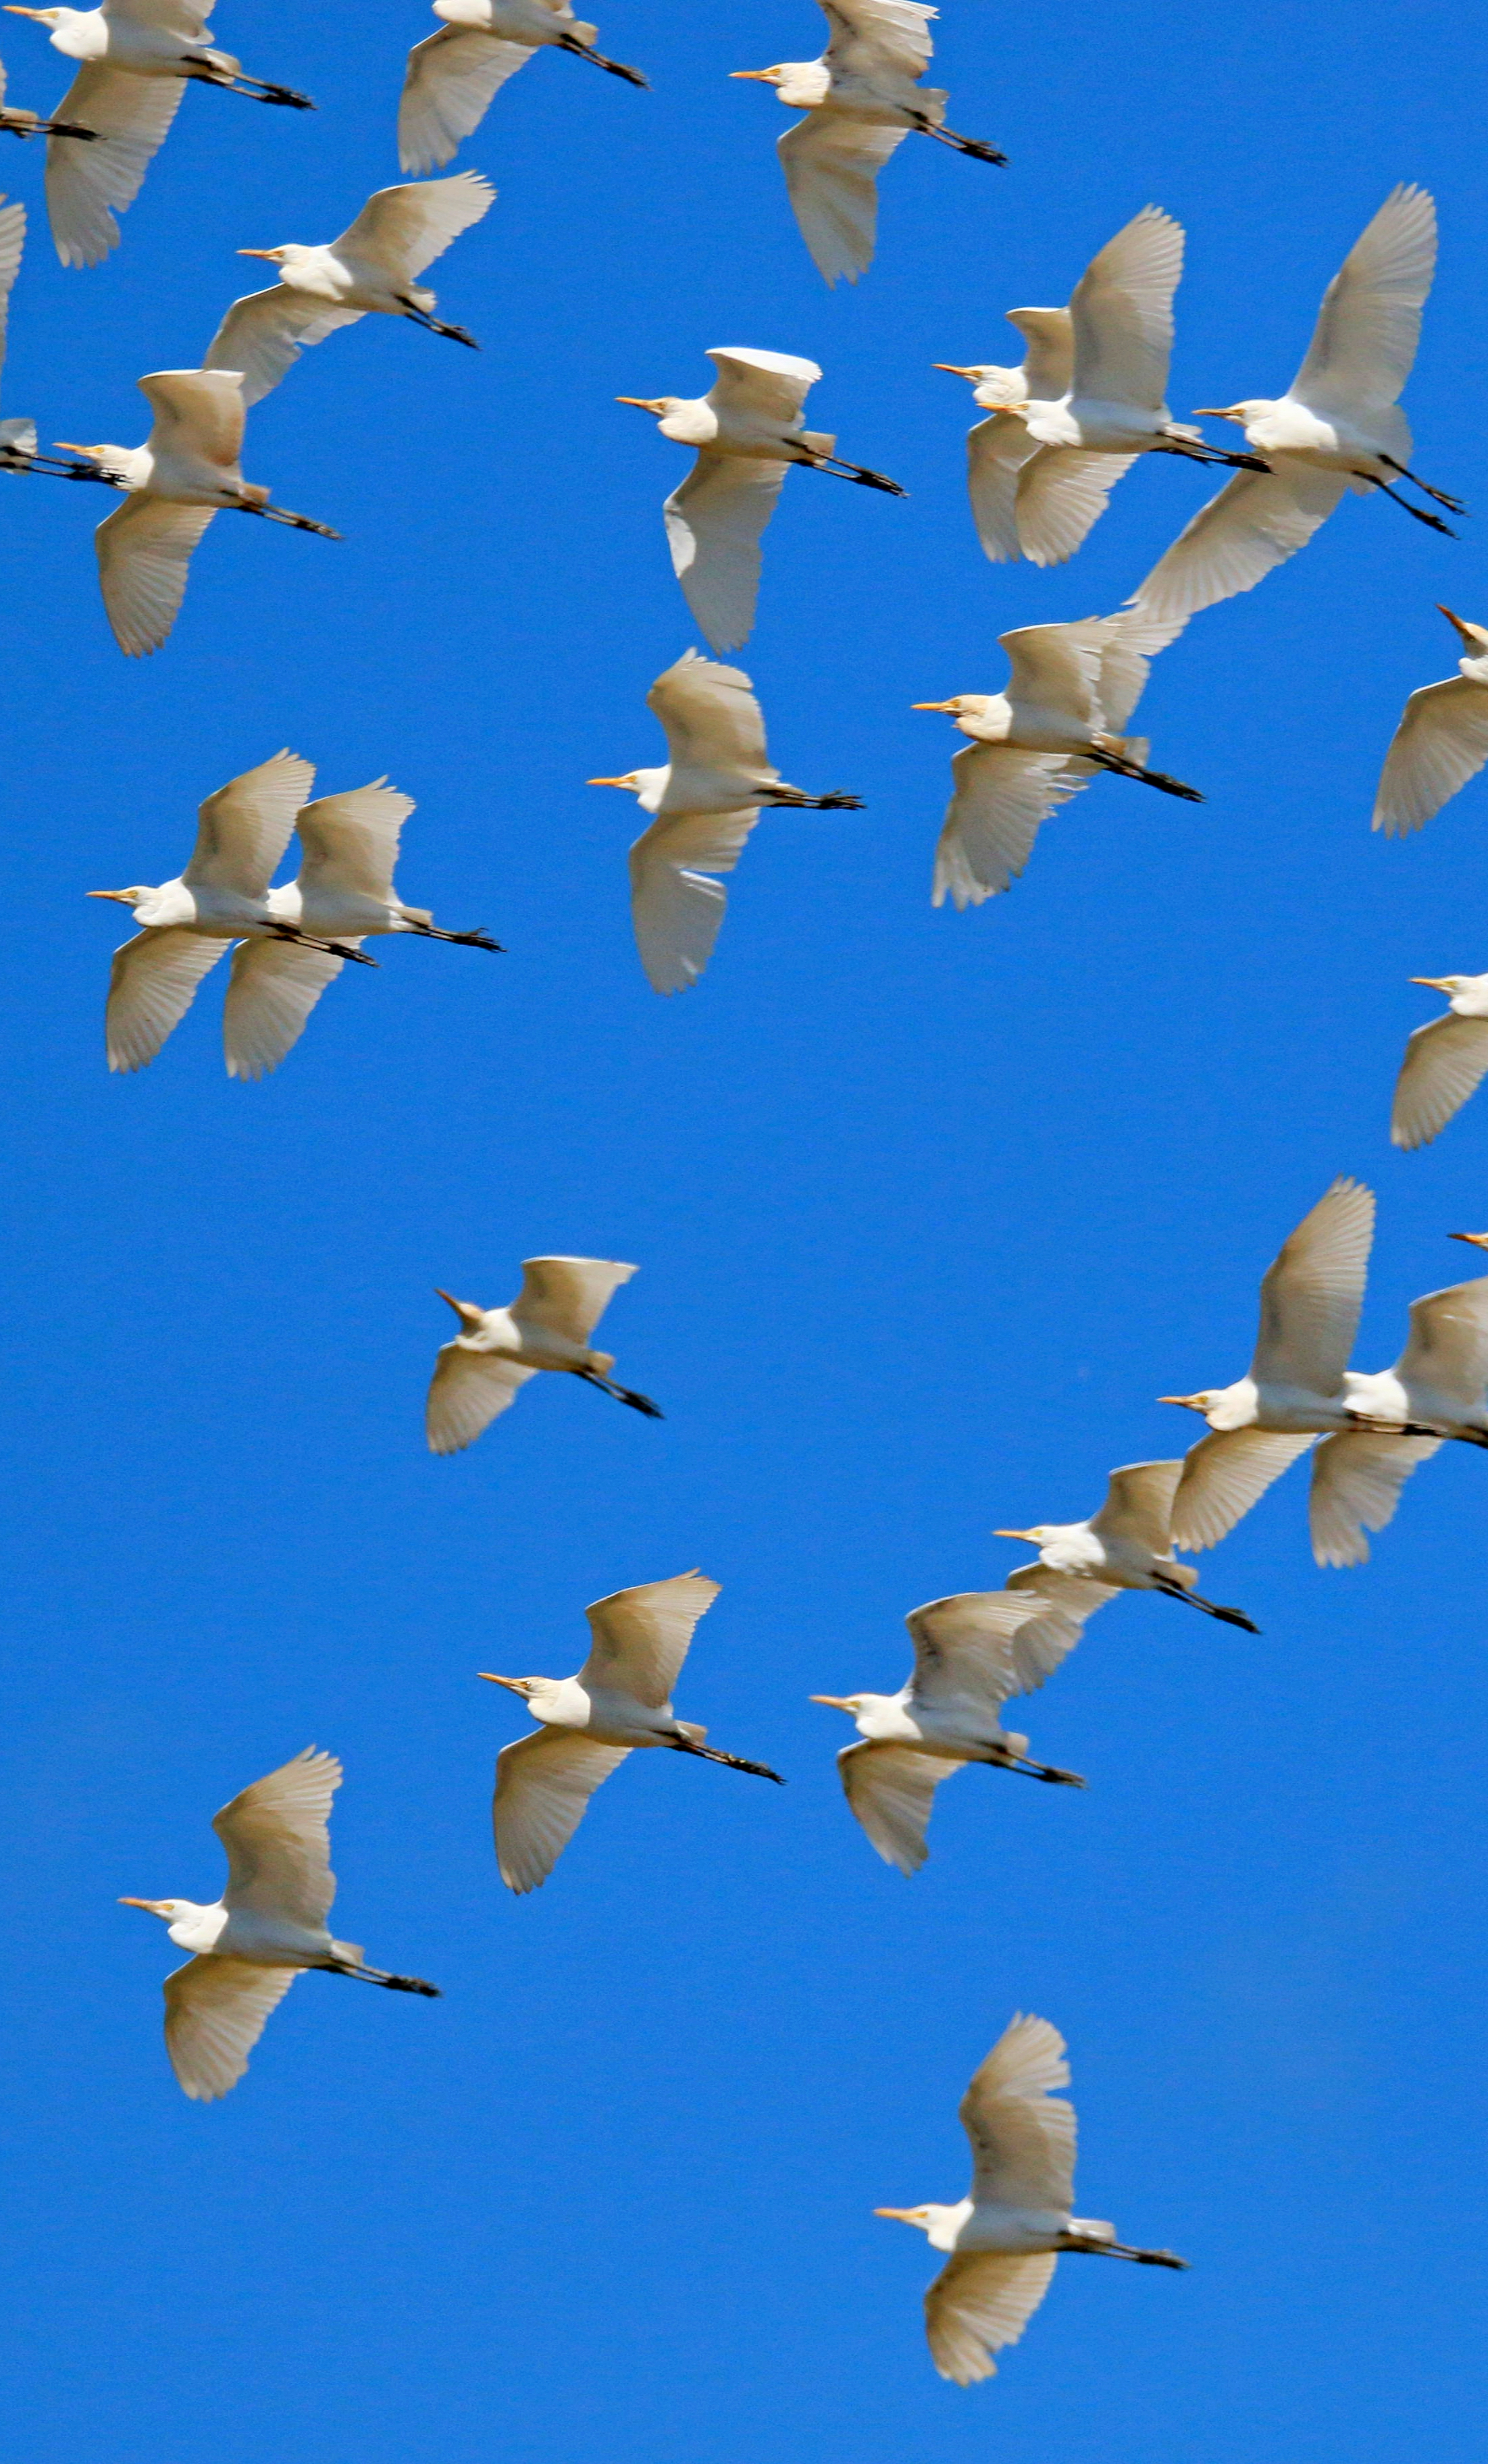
<point x="927" y="1209"/>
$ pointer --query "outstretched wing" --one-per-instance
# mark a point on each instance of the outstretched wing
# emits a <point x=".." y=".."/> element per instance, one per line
<point x="1023" y="2136"/>
<point x="144" y="556"/>
<point x="997" y="450"/>
<point x="868" y="37"/>
<point x="271" y="990"/>
<point x="569" y="1295"/>
<point x="891" y="1789"/>
<point x="152" y="984"/>
<point x="1447" y="1345"/>
<point x="277" y="1841"/>
<point x="468" y="1391"/>
<point x="215" y="2012"/>
<point x="978" y="2304"/>
<point x="1069" y="1602"/>
<point x="1121" y="314"/>
<point x="1370" y="324"/>
<point x="243" y="829"/>
<point x="350" y="842"/>
<point x="1223" y="1476"/>
<point x="263" y="335"/>
<point x="831" y="163"/>
<point x="1312" y="1292"/>
<point x="1001" y="797"/>
<point x="1356" y="1486"/>
<point x="197" y="412"/>
<point x="1255" y="523"/>
<point x="450" y="82"/>
<point x="543" y="1784"/>
<point x="1443" y="1066"/>
<point x="407" y="228"/>
<point x="1061" y="494"/>
<point x="762" y="384"/>
<point x="715" y="523"/>
<point x="89" y="183"/>
<point x="675" y="909"/>
<point x="711" y="716"/>
<point x="967" y="1646"/>
<point x="12" y="239"/>
<point x="1049" y="359"/>
<point x="1441" y="742"/>
<point x="1139" y="1505"/>
<point x="640" y="1635"/>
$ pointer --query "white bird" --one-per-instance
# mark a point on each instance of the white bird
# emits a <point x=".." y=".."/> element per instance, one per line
<point x="188" y="469"/>
<point x="748" y="432"/>
<point x="1444" y="1062"/>
<point x="548" y="1326"/>
<point x="705" y="802"/>
<point x="17" y="123"/>
<point x="138" y="58"/>
<point x="1441" y="741"/>
<point x="860" y="101"/>
<point x="370" y="270"/>
<point x="1128" y="1544"/>
<point x="1072" y="690"/>
<point x="222" y="896"/>
<point x="1336" y="428"/>
<point x="1294" y="1390"/>
<point x="1002" y="2240"/>
<point x="621" y="1698"/>
<point x="972" y="1653"/>
<point x="454" y="76"/>
<point x="349" y="849"/>
<point x="1437" y="1385"/>
<point x="268" y="1924"/>
<point x="997" y="448"/>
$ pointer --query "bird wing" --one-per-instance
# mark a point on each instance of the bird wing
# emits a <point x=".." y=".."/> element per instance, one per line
<point x="350" y="842"/>
<point x="569" y="1295"/>
<point x="1023" y="2136"/>
<point x="1121" y="314"/>
<point x="675" y="909"/>
<point x="263" y="335"/>
<point x="12" y="239"/>
<point x="449" y="86"/>
<point x="831" y="163"/>
<point x="1448" y="1345"/>
<point x="1061" y="494"/>
<point x="1139" y="1505"/>
<point x="1001" y="798"/>
<point x="215" y="2012"/>
<point x="641" y="1636"/>
<point x="404" y="229"/>
<point x="714" y="524"/>
<point x="711" y="716"/>
<point x="979" y="2303"/>
<point x="1370" y="324"/>
<point x="152" y="984"/>
<point x="87" y="185"/>
<point x="1255" y="523"/>
<point x="891" y="1789"/>
<point x="243" y="830"/>
<point x="468" y="1391"/>
<point x="1441" y="742"/>
<point x="186" y="19"/>
<point x="1069" y="1602"/>
<point x="1312" y="1292"/>
<point x="1356" y="1486"/>
<point x="1444" y="1063"/>
<point x="997" y="448"/>
<point x="868" y="37"/>
<point x="1131" y="643"/>
<point x="1049" y="360"/>
<point x="1223" y="1476"/>
<point x="144" y="556"/>
<point x="1058" y="665"/>
<point x="543" y="1784"/>
<point x="271" y="990"/>
<point x="277" y="1842"/>
<point x="762" y="384"/>
<point x="197" y="411"/>
<point x="968" y="1645"/>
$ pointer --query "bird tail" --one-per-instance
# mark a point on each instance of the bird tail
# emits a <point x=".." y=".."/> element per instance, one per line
<point x="352" y="1952"/>
<point x="589" y="34"/>
<point x="602" y="1361"/>
<point x="1131" y="748"/>
<point x="690" y="1728"/>
<point x="815" y="443"/>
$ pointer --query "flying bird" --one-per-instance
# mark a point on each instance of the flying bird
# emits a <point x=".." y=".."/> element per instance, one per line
<point x="342" y="894"/>
<point x="1072" y="690"/>
<point x="998" y="448"/>
<point x="1444" y="1062"/>
<point x="1128" y="1544"/>
<point x="548" y="1326"/>
<point x="138" y="58"/>
<point x="972" y="1653"/>
<point x="1002" y="2240"/>
<point x="748" y="432"/>
<point x="188" y="469"/>
<point x="370" y="270"/>
<point x="454" y="75"/>
<point x="621" y="1698"/>
<point x="1337" y="429"/>
<point x="860" y="101"/>
<point x="1441" y="741"/>
<point x="1438" y="1384"/>
<point x="704" y="803"/>
<point x="17" y="123"/>
<point x="268" y="1924"/>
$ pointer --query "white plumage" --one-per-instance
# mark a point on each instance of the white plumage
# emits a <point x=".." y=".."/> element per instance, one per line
<point x="999" y="448"/>
<point x="1435" y="1389"/>
<point x="548" y="1326"/>
<point x="1444" y="1062"/>
<point x="454" y="75"/>
<point x="1127" y="1545"/>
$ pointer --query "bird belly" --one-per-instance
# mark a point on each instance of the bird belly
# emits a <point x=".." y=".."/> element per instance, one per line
<point x="1112" y="427"/>
<point x="261" y="1941"/>
<point x="1292" y="1412"/>
<point x="1015" y="2231"/>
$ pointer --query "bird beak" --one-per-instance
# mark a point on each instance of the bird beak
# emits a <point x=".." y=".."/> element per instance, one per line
<point x="933" y="705"/>
<point x="12" y="11"/>
<point x="754" y="76"/>
<point x="1189" y="1402"/>
<point x="1238" y="416"/>
<point x="124" y="900"/>
<point x="947" y="370"/>
<point x="513" y="1684"/>
<point x="1466" y="630"/>
<point x="1479" y="1239"/>
<point x="605" y="783"/>
<point x="837" y="1701"/>
<point x="63" y="444"/>
<point x="266" y="253"/>
<point x="634" y="401"/>
<point x="157" y="1907"/>
<point x="901" y="2215"/>
<point x="465" y="1310"/>
<point x="1017" y="1535"/>
<point x="1437" y="983"/>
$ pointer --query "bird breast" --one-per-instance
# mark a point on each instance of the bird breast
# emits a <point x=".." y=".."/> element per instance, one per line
<point x="201" y="1930"/>
<point x="1013" y="2230"/>
<point x="690" y="423"/>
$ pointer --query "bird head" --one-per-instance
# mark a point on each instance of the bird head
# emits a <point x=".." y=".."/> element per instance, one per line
<point x="169" y="1909"/>
<point x="942" y="2224"/>
<point x="1036" y="1534"/>
<point x="525" y="1686"/>
<point x="852" y="1703"/>
<point x="123" y="897"/>
<point x="1476" y="636"/>
<point x="1204" y="1403"/>
<point x="1479" y="1239"/>
<point x="469" y="1316"/>
<point x="632" y="779"/>
<point x="659" y="408"/>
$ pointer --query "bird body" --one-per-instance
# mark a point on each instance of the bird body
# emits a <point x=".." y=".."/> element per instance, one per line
<point x="548" y="1326"/>
<point x="1128" y="1544"/>
<point x="1441" y="741"/>
<point x="454" y="76"/>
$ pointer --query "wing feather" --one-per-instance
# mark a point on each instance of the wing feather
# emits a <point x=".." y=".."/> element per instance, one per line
<point x="452" y="80"/>
<point x="350" y="843"/>
<point x="1255" y="523"/>
<point x="468" y="1391"/>
<point x="891" y="1789"/>
<point x="831" y="163"/>
<point x="1444" y="1064"/>
<point x="263" y="335"/>
<point x="1121" y="314"/>
<point x="279" y="1841"/>
<point x="967" y="1645"/>
<point x="1061" y="494"/>
<point x="711" y="716"/>
<point x="1001" y="798"/>
<point x="243" y="830"/>
<point x="1447" y="1345"/>
<point x="675" y="909"/>
<point x="715" y="523"/>
<point x="1138" y="1505"/>
<point x="152" y="984"/>
<point x="569" y="1295"/>
<point x="1023" y="2136"/>
<point x="144" y="556"/>
<point x="1370" y="324"/>
<point x="543" y="1784"/>
<point x="1223" y="1476"/>
<point x="1356" y="1486"/>
<point x="1440" y="744"/>
<point x="87" y="185"/>
<point x="997" y="451"/>
<point x="978" y="2306"/>
<point x="1312" y="1293"/>
<point x="215" y="2012"/>
<point x="271" y="990"/>
<point x="640" y="1637"/>
<point x="407" y="228"/>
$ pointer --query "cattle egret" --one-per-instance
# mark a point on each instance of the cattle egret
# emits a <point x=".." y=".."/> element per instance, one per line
<point x="748" y="431"/>
<point x="370" y="270"/>
<point x="1002" y="2239"/>
<point x="997" y="448"/>
<point x="1444" y="1062"/>
<point x="188" y="470"/>
<point x="138" y="58"/>
<point x="1337" y="429"/>
<point x="1127" y="1545"/>
<point x="17" y="123"/>
<point x="1310" y="1299"/>
<point x="970" y="1654"/>
<point x="1072" y="690"/>
<point x="548" y="1326"/>
<point x="1441" y="741"/>
<point x="705" y="803"/>
<point x="349" y="848"/>
<point x="1436" y="1384"/>
<point x="621" y="1698"/>
<point x="453" y="76"/>
<point x="268" y="1924"/>
<point x="222" y="895"/>
<point x="860" y="100"/>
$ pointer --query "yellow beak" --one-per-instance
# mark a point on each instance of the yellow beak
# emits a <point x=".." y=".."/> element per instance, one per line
<point x="753" y="76"/>
<point x="1479" y="1239"/>
<point x="12" y="11"/>
<point x="155" y="1906"/>
<point x="971" y="375"/>
<point x="606" y="783"/>
<point x="634" y="401"/>
<point x="835" y="1702"/>
<point x="266" y="254"/>
<point x="901" y="2215"/>
<point x="511" y="1684"/>
<point x="1437" y="983"/>
<point x="933" y="705"/>
<point x="124" y="901"/>
<point x="1017" y="1535"/>
<point x="1189" y="1402"/>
